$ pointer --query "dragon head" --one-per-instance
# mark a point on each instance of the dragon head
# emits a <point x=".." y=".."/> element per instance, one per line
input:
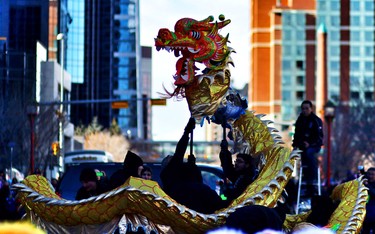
<point x="196" y="41"/>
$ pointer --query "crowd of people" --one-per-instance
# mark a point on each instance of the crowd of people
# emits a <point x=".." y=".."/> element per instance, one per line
<point x="182" y="180"/>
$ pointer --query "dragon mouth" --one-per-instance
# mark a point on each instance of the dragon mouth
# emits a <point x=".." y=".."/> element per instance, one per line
<point x="185" y="71"/>
<point x="185" y="66"/>
<point x="178" y="49"/>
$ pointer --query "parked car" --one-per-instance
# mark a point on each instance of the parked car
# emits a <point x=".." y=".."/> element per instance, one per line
<point x="69" y="183"/>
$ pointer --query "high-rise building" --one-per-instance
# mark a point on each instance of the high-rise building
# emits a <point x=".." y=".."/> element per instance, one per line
<point x="282" y="45"/>
<point x="104" y="58"/>
<point x="26" y="32"/>
<point x="284" y="53"/>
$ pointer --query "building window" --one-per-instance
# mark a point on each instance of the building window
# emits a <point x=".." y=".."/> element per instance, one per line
<point x="355" y="35"/>
<point x="355" y="50"/>
<point x="300" y="80"/>
<point x="300" y="65"/>
<point x="369" y="96"/>
<point x="287" y="35"/>
<point x="300" y="95"/>
<point x="286" y="65"/>
<point x="301" y="35"/>
<point x="287" y="80"/>
<point x="286" y="95"/>
<point x="354" y="80"/>
<point x="369" y="5"/>
<point x="369" y="50"/>
<point x="369" y="66"/>
<point x="354" y="66"/>
<point x="369" y="36"/>
<point x="287" y="50"/>
<point x="354" y="5"/>
<point x="335" y="81"/>
<point x="334" y="35"/>
<point x="286" y="19"/>
<point x="335" y="20"/>
<point x="355" y="20"/>
<point x="369" y="20"/>
<point x="334" y="50"/>
<point x="335" y="66"/>
<point x="322" y="5"/>
<point x="301" y="19"/>
<point x="321" y="20"/>
<point x="369" y="81"/>
<point x="335" y="6"/>
<point x="300" y="50"/>
<point x="354" y="96"/>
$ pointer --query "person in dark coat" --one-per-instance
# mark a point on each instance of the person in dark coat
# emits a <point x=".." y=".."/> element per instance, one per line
<point x="171" y="165"/>
<point x="241" y="174"/>
<point x="183" y="180"/>
<point x="90" y="184"/>
<point x="369" y="223"/>
<point x="308" y="137"/>
<point x="255" y="218"/>
<point x="133" y="164"/>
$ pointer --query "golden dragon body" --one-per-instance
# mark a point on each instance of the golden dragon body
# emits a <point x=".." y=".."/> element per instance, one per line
<point x="142" y="203"/>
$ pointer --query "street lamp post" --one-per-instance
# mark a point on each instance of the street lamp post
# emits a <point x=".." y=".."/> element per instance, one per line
<point x="329" y="115"/>
<point x="60" y="37"/>
<point x="32" y="112"/>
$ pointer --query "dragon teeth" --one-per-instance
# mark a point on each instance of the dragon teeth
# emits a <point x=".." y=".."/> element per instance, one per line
<point x="191" y="50"/>
<point x="185" y="77"/>
<point x="168" y="48"/>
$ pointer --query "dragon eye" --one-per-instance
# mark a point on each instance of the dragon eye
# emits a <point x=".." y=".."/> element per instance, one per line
<point x="195" y="34"/>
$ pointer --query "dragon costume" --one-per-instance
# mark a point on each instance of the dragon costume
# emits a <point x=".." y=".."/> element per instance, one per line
<point x="142" y="203"/>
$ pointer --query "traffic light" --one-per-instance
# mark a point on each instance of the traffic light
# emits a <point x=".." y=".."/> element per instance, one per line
<point x="55" y="148"/>
<point x="158" y="102"/>
<point x="120" y="104"/>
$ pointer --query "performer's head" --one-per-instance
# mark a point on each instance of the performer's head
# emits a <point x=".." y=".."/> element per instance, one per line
<point x="306" y="107"/>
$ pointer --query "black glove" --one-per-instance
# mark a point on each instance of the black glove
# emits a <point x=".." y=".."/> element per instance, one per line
<point x="191" y="159"/>
<point x="190" y="125"/>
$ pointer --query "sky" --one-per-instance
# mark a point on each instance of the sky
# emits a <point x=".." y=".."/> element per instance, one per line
<point x="168" y="122"/>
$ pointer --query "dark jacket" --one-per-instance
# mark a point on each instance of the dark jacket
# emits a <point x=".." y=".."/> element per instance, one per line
<point x="310" y="129"/>
<point x="240" y="179"/>
<point x="171" y="174"/>
<point x="183" y="180"/>
<point x="131" y="164"/>
<point x="197" y="196"/>
<point x="83" y="194"/>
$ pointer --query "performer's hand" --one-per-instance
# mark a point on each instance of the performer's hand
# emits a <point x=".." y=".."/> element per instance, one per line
<point x="190" y="125"/>
<point x="191" y="159"/>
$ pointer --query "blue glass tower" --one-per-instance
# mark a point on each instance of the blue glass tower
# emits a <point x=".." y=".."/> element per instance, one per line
<point x="106" y="33"/>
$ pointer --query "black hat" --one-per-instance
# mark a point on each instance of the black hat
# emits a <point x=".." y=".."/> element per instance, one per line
<point x="132" y="160"/>
<point x="88" y="174"/>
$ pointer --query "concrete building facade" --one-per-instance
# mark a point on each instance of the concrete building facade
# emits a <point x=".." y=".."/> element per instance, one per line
<point x="284" y="66"/>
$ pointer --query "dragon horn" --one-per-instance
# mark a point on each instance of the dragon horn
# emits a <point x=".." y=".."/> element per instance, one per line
<point x="223" y="24"/>
<point x="206" y="20"/>
<point x="206" y="24"/>
<point x="219" y="25"/>
<point x="214" y="31"/>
